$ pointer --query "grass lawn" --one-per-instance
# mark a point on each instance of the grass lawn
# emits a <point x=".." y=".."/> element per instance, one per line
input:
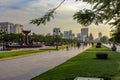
<point x="85" y="65"/>
<point x="25" y="52"/>
<point x="97" y="49"/>
<point x="18" y="53"/>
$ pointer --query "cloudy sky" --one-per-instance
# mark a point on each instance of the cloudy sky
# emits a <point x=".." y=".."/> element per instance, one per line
<point x="22" y="11"/>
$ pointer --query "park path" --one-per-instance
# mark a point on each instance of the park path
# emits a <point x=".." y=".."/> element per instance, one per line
<point x="27" y="67"/>
<point x="118" y="47"/>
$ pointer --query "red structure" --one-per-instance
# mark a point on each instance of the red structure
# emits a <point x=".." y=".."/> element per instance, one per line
<point x="26" y="32"/>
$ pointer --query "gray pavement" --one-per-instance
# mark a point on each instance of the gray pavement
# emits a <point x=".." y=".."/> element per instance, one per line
<point x="118" y="47"/>
<point x="24" y="49"/>
<point x="27" y="67"/>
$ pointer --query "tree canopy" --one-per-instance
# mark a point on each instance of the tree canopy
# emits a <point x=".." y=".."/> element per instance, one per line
<point x="102" y="11"/>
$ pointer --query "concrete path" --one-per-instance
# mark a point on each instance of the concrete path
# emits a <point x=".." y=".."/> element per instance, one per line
<point x="27" y="67"/>
<point x="24" y="49"/>
<point x="118" y="47"/>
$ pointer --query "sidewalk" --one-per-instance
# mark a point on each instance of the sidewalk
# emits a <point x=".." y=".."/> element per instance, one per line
<point x="25" y="68"/>
<point x="118" y="47"/>
<point x="25" y="49"/>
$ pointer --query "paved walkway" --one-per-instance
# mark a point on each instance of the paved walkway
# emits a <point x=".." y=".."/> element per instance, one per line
<point x="98" y="51"/>
<point x="25" y="68"/>
<point x="118" y="47"/>
<point x="24" y="49"/>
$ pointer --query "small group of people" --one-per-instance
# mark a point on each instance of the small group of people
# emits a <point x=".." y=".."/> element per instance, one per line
<point x="76" y="45"/>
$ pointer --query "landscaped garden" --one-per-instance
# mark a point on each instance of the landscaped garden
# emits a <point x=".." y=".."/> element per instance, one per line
<point x="26" y="52"/>
<point x="86" y="65"/>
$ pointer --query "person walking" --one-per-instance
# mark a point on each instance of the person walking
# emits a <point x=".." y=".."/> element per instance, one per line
<point x="114" y="48"/>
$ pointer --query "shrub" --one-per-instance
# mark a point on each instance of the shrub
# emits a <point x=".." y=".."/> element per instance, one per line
<point x="102" y="56"/>
<point x="98" y="45"/>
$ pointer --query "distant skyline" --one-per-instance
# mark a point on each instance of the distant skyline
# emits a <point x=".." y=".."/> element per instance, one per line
<point x="22" y="11"/>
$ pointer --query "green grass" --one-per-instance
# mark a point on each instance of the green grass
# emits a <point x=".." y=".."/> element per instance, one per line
<point x="18" y="53"/>
<point x="54" y="48"/>
<point x="97" y="49"/>
<point x="26" y="52"/>
<point x="85" y="65"/>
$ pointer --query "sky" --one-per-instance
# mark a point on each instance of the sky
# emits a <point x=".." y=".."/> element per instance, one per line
<point x="22" y="11"/>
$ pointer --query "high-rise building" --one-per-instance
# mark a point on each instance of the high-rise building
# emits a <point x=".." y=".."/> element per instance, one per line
<point x="9" y="27"/>
<point x="91" y="39"/>
<point x="68" y="34"/>
<point x="99" y="35"/>
<point x="56" y="32"/>
<point x="79" y="36"/>
<point x="84" y="33"/>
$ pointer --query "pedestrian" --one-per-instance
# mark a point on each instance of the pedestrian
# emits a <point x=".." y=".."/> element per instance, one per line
<point x="74" y="45"/>
<point x="114" y="48"/>
<point x="82" y="45"/>
<point x="78" y="45"/>
<point x="92" y="43"/>
<point x="67" y="48"/>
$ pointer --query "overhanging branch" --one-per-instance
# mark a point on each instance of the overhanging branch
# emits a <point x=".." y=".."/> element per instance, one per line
<point x="47" y="17"/>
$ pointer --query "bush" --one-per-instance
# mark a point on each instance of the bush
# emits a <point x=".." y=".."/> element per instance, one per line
<point x="102" y="56"/>
<point x="98" y="45"/>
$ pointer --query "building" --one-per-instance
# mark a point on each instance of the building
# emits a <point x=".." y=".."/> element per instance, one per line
<point x="84" y="33"/>
<point x="56" y="32"/>
<point x="79" y="36"/>
<point x="68" y="34"/>
<point x="17" y="28"/>
<point x="99" y="35"/>
<point x="91" y="39"/>
<point x="9" y="27"/>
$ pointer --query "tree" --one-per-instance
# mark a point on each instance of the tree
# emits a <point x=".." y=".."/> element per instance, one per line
<point x="115" y="35"/>
<point x="104" y="39"/>
<point x="37" y="37"/>
<point x="46" y="17"/>
<point x="102" y="10"/>
<point x="12" y="37"/>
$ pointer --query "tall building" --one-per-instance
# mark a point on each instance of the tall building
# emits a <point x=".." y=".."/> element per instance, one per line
<point x="91" y="39"/>
<point x="84" y="33"/>
<point x="9" y="27"/>
<point x="68" y="34"/>
<point x="79" y="36"/>
<point x="56" y="31"/>
<point x="99" y="35"/>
